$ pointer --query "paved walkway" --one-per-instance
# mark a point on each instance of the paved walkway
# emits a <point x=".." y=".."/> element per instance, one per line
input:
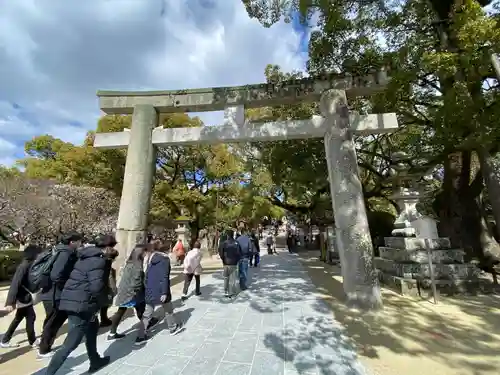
<point x="279" y="326"/>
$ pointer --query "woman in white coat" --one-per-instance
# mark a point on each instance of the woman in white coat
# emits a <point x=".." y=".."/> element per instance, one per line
<point x="192" y="268"/>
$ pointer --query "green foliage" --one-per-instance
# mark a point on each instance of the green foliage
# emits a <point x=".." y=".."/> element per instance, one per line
<point x="202" y="181"/>
<point x="9" y="260"/>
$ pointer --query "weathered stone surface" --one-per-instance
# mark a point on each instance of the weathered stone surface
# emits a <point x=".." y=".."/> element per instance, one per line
<point x="352" y="232"/>
<point x="316" y="127"/>
<point x="417" y="243"/>
<point x="420" y="256"/>
<point x="257" y="95"/>
<point x="137" y="181"/>
<point x="416" y="270"/>
<point x="422" y="288"/>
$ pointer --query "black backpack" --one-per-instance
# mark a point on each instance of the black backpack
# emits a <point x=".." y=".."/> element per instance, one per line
<point x="39" y="272"/>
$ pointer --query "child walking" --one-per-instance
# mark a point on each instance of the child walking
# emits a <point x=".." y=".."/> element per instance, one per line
<point x="21" y="300"/>
<point x="192" y="268"/>
<point x="157" y="291"/>
<point x="130" y="293"/>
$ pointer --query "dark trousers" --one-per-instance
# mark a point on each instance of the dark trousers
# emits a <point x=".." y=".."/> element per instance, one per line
<point x="80" y="326"/>
<point x="269" y="249"/>
<point x="27" y="313"/>
<point x="255" y="259"/>
<point x="54" y="320"/>
<point x="103" y="313"/>
<point x="188" y="277"/>
<point x="118" y="316"/>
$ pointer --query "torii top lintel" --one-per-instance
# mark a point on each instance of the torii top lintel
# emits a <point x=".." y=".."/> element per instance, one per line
<point x="251" y="96"/>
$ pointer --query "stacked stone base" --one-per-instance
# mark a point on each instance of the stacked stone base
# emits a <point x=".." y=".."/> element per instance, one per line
<point x="404" y="266"/>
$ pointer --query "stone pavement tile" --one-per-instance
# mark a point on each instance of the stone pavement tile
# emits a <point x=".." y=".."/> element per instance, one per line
<point x="233" y="369"/>
<point x="245" y="335"/>
<point x="201" y="366"/>
<point x="271" y="340"/>
<point x="267" y="364"/>
<point x="224" y="329"/>
<point x="172" y="365"/>
<point x="125" y="369"/>
<point x="206" y="323"/>
<point x="148" y="354"/>
<point x="212" y="349"/>
<point x="303" y="365"/>
<point x="252" y="325"/>
<point x="185" y="347"/>
<point x="274" y="319"/>
<point x="241" y="351"/>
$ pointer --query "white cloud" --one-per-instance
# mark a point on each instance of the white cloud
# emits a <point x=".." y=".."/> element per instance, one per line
<point x="55" y="55"/>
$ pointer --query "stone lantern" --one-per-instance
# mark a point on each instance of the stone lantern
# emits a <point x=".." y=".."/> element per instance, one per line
<point x="183" y="232"/>
<point x="407" y="192"/>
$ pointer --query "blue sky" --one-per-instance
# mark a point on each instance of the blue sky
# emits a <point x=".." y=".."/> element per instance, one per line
<point x="50" y="70"/>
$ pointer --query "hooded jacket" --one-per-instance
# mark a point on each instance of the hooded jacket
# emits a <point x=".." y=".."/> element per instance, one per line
<point x="157" y="278"/>
<point x="87" y="288"/>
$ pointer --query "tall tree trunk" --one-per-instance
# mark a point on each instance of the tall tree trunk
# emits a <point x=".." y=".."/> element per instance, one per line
<point x="490" y="166"/>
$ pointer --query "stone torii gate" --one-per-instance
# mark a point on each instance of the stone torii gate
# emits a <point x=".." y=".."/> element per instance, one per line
<point x="336" y="125"/>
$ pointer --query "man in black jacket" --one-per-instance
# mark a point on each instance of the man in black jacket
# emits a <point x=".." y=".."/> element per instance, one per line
<point x="230" y="253"/>
<point x="85" y="293"/>
<point x="65" y="253"/>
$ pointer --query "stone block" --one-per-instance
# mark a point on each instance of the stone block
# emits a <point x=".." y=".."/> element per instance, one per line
<point x="422" y="288"/>
<point x="413" y="243"/>
<point x="419" y="270"/>
<point x="420" y="256"/>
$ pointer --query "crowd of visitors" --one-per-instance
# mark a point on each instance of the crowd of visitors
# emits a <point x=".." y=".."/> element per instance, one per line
<point x="76" y="282"/>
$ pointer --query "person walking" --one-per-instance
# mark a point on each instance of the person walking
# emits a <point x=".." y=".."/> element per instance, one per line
<point x="110" y="253"/>
<point x="270" y="243"/>
<point x="180" y="252"/>
<point x="64" y="258"/>
<point x="230" y="254"/>
<point x="290" y="241"/>
<point x="255" y="258"/>
<point x="21" y="300"/>
<point x="130" y="292"/>
<point x="157" y="292"/>
<point x="85" y="293"/>
<point x="192" y="269"/>
<point x="246" y="246"/>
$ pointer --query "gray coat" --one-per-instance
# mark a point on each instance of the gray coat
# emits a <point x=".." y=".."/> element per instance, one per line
<point x="131" y="286"/>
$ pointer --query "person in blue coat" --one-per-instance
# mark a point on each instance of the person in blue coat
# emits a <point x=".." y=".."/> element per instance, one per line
<point x="247" y="250"/>
<point x="157" y="291"/>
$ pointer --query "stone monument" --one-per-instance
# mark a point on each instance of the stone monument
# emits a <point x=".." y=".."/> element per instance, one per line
<point x="336" y="125"/>
<point x="404" y="260"/>
<point x="183" y="232"/>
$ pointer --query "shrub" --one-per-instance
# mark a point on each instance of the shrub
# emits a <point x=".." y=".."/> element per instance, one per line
<point x="9" y="260"/>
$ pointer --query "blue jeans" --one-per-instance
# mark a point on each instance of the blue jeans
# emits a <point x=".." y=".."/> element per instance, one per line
<point x="243" y="271"/>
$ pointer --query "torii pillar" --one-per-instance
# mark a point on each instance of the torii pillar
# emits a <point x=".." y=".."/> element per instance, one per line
<point x="138" y="182"/>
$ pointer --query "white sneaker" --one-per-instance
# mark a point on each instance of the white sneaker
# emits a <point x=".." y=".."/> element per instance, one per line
<point x="8" y="345"/>
<point x="41" y="356"/>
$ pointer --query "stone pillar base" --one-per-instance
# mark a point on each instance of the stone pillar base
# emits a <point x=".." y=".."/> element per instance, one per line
<point x="127" y="239"/>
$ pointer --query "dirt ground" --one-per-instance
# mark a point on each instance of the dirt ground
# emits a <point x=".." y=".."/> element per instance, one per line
<point x="458" y="336"/>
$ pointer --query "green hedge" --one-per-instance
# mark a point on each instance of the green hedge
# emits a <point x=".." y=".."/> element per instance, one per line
<point x="9" y="260"/>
